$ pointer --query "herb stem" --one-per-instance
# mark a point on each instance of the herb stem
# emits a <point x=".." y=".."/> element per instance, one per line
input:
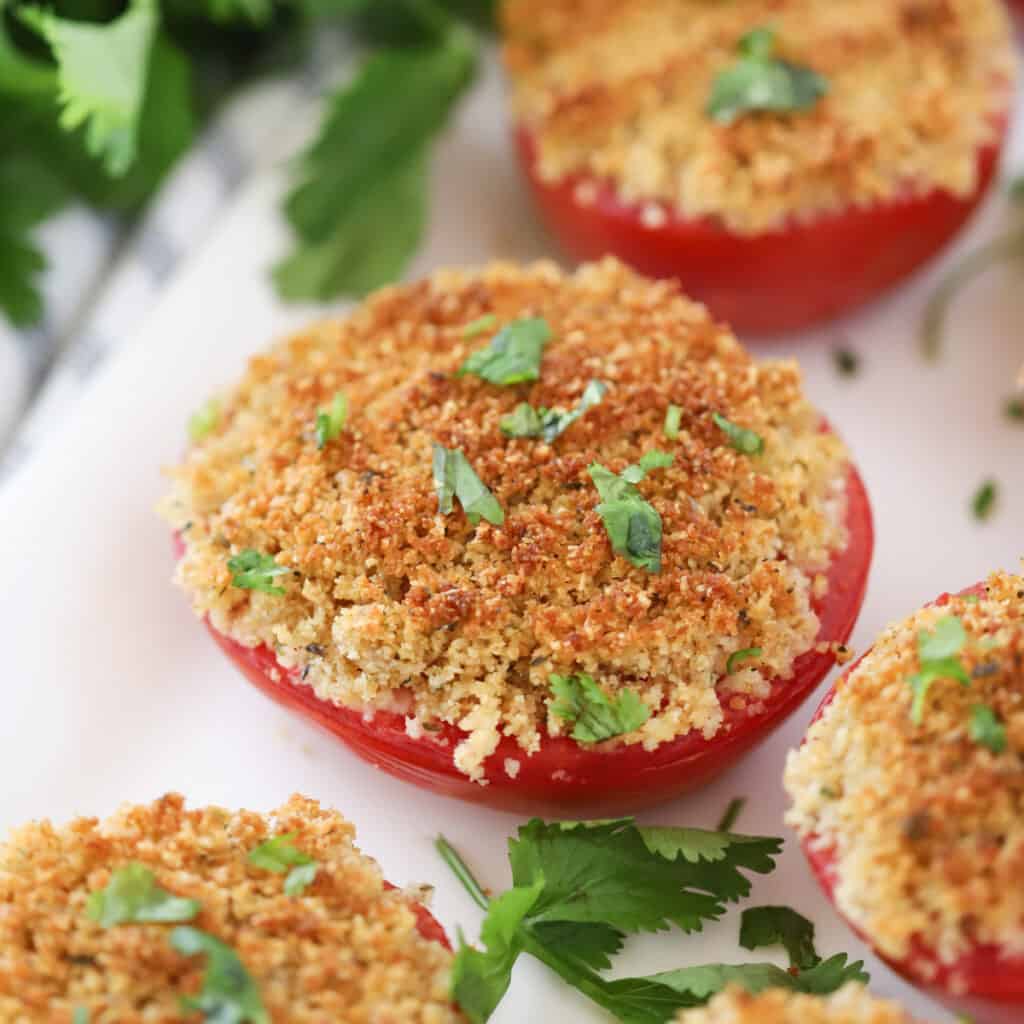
<point x="577" y="975"/>
<point x="462" y="872"/>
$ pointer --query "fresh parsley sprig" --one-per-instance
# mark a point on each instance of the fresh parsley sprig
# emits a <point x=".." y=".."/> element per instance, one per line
<point x="513" y="355"/>
<point x="454" y="477"/>
<point x="741" y="438"/>
<point x="279" y="854"/>
<point x="253" y="570"/>
<point x="133" y="897"/>
<point x="939" y="654"/>
<point x="547" y="424"/>
<point x="987" y="730"/>
<point x="330" y="422"/>
<point x="594" y="715"/>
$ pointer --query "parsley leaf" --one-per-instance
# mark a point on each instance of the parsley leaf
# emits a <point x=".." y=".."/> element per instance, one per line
<point x="229" y="995"/>
<point x="133" y="897"/>
<point x="513" y="355"/>
<point x="984" y="501"/>
<point x="770" y="926"/>
<point x="633" y="524"/>
<point x="525" y="421"/>
<point x="454" y="477"/>
<point x="986" y="730"/>
<point x="81" y="1015"/>
<point x="673" y="418"/>
<point x="758" y="81"/>
<point x="742" y="439"/>
<point x="204" y="420"/>
<point x="847" y="362"/>
<point x="738" y="657"/>
<point x="279" y="854"/>
<point x="594" y="715"/>
<point x="254" y="571"/>
<point x="1013" y="408"/>
<point x="102" y="71"/>
<point x="330" y="422"/>
<point x="482" y="325"/>
<point x="938" y="653"/>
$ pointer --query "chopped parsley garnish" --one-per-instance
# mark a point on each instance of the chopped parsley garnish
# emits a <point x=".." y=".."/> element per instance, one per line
<point x="279" y="855"/>
<point x="732" y="814"/>
<point x="81" y="1015"/>
<point x="986" y="730"/>
<point x="133" y="897"/>
<point x="847" y="362"/>
<point x="673" y="418"/>
<point x="738" y="657"/>
<point x="228" y="995"/>
<point x="938" y="653"/>
<point x="525" y="421"/>
<point x="579" y="888"/>
<point x="252" y="570"/>
<point x="633" y="524"/>
<point x="984" y="501"/>
<point x="204" y="420"/>
<point x="513" y="356"/>
<point x="742" y="439"/>
<point x="780" y="926"/>
<point x="759" y="81"/>
<point x="482" y="325"/>
<point x="1013" y="409"/>
<point x="595" y="716"/>
<point x="330" y="422"/>
<point x="454" y="478"/>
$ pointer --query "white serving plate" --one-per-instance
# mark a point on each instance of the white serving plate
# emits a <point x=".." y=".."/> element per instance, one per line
<point x="114" y="692"/>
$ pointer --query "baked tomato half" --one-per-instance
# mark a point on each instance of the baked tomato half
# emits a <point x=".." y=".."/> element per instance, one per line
<point x="981" y="979"/>
<point x="566" y="777"/>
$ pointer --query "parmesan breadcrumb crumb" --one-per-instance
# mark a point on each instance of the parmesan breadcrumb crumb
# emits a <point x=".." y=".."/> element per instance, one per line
<point x="616" y="90"/>
<point x="926" y="824"/>
<point x="390" y="605"/>
<point x="850" y="1005"/>
<point x="347" y="949"/>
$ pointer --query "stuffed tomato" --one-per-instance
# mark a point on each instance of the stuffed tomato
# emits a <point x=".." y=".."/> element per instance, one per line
<point x="161" y="912"/>
<point x="908" y="794"/>
<point x="535" y="540"/>
<point x="786" y="162"/>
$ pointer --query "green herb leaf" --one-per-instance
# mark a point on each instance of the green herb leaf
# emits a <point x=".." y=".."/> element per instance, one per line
<point x="299" y="879"/>
<point x="594" y="715"/>
<point x="525" y="421"/>
<point x="938" y="653"/>
<point x="783" y="926"/>
<point x="81" y="1015"/>
<point x="986" y="730"/>
<point x="847" y="362"/>
<point x="947" y="638"/>
<point x="738" y="657"/>
<point x="330" y="422"/>
<point x="278" y="854"/>
<point x="254" y="571"/>
<point x="133" y="897"/>
<point x="742" y="439"/>
<point x="732" y="814"/>
<point x="984" y="500"/>
<point x="758" y="81"/>
<point x="1014" y="409"/>
<point x="204" y="420"/>
<point x="513" y="355"/>
<point x="633" y="524"/>
<point x="673" y="419"/>
<point x="228" y="995"/>
<point x="454" y="477"/>
<point x="482" y="325"/>
<point x="102" y="71"/>
<point x="258" y="13"/>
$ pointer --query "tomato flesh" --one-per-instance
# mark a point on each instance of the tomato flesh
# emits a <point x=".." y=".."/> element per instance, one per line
<point x="993" y="979"/>
<point x="426" y="924"/>
<point x="563" y="777"/>
<point x="768" y="283"/>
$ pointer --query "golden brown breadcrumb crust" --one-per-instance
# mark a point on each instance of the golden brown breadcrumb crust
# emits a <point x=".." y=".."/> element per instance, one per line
<point x="927" y="824"/>
<point x="346" y="949"/>
<point x="393" y="605"/>
<point x="851" y="1005"/>
<point x="617" y="90"/>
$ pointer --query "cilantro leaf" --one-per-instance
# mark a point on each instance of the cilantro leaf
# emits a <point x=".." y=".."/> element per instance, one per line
<point x="133" y="897"/>
<point x="330" y="422"/>
<point x="254" y="571"/>
<point x="947" y="638"/>
<point x="300" y="878"/>
<point x="102" y="71"/>
<point x="204" y="420"/>
<point x="594" y="715"/>
<point x="770" y="926"/>
<point x="673" y="418"/>
<point x="513" y="355"/>
<point x="229" y="995"/>
<point x="743" y="440"/>
<point x="938" y="653"/>
<point x="587" y="943"/>
<point x="454" y="477"/>
<point x="482" y="325"/>
<point x="830" y="975"/>
<point x="81" y="1015"/>
<point x="633" y="524"/>
<point x="738" y="657"/>
<point x="758" y="81"/>
<point x="986" y="730"/>
<point x="255" y="12"/>
<point x="983" y="502"/>
<point x="525" y="421"/>
<point x="279" y="854"/>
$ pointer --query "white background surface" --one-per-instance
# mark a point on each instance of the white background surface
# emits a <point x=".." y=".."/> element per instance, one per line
<point x="114" y="692"/>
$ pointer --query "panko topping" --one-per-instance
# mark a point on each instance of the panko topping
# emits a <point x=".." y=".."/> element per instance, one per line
<point x="531" y="477"/>
<point x="913" y="778"/>
<point x="755" y="112"/>
<point x="850" y="1005"/>
<point x="161" y="914"/>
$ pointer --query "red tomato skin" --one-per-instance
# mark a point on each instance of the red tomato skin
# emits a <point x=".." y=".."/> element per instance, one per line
<point x="562" y="777"/>
<point x="994" y="980"/>
<point x="426" y="924"/>
<point x="769" y="283"/>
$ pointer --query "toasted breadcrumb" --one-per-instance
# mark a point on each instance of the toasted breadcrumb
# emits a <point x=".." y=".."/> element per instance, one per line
<point x="345" y="949"/>
<point x="927" y="825"/>
<point x="616" y="90"/>
<point x="851" y="1005"/>
<point x="392" y="605"/>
